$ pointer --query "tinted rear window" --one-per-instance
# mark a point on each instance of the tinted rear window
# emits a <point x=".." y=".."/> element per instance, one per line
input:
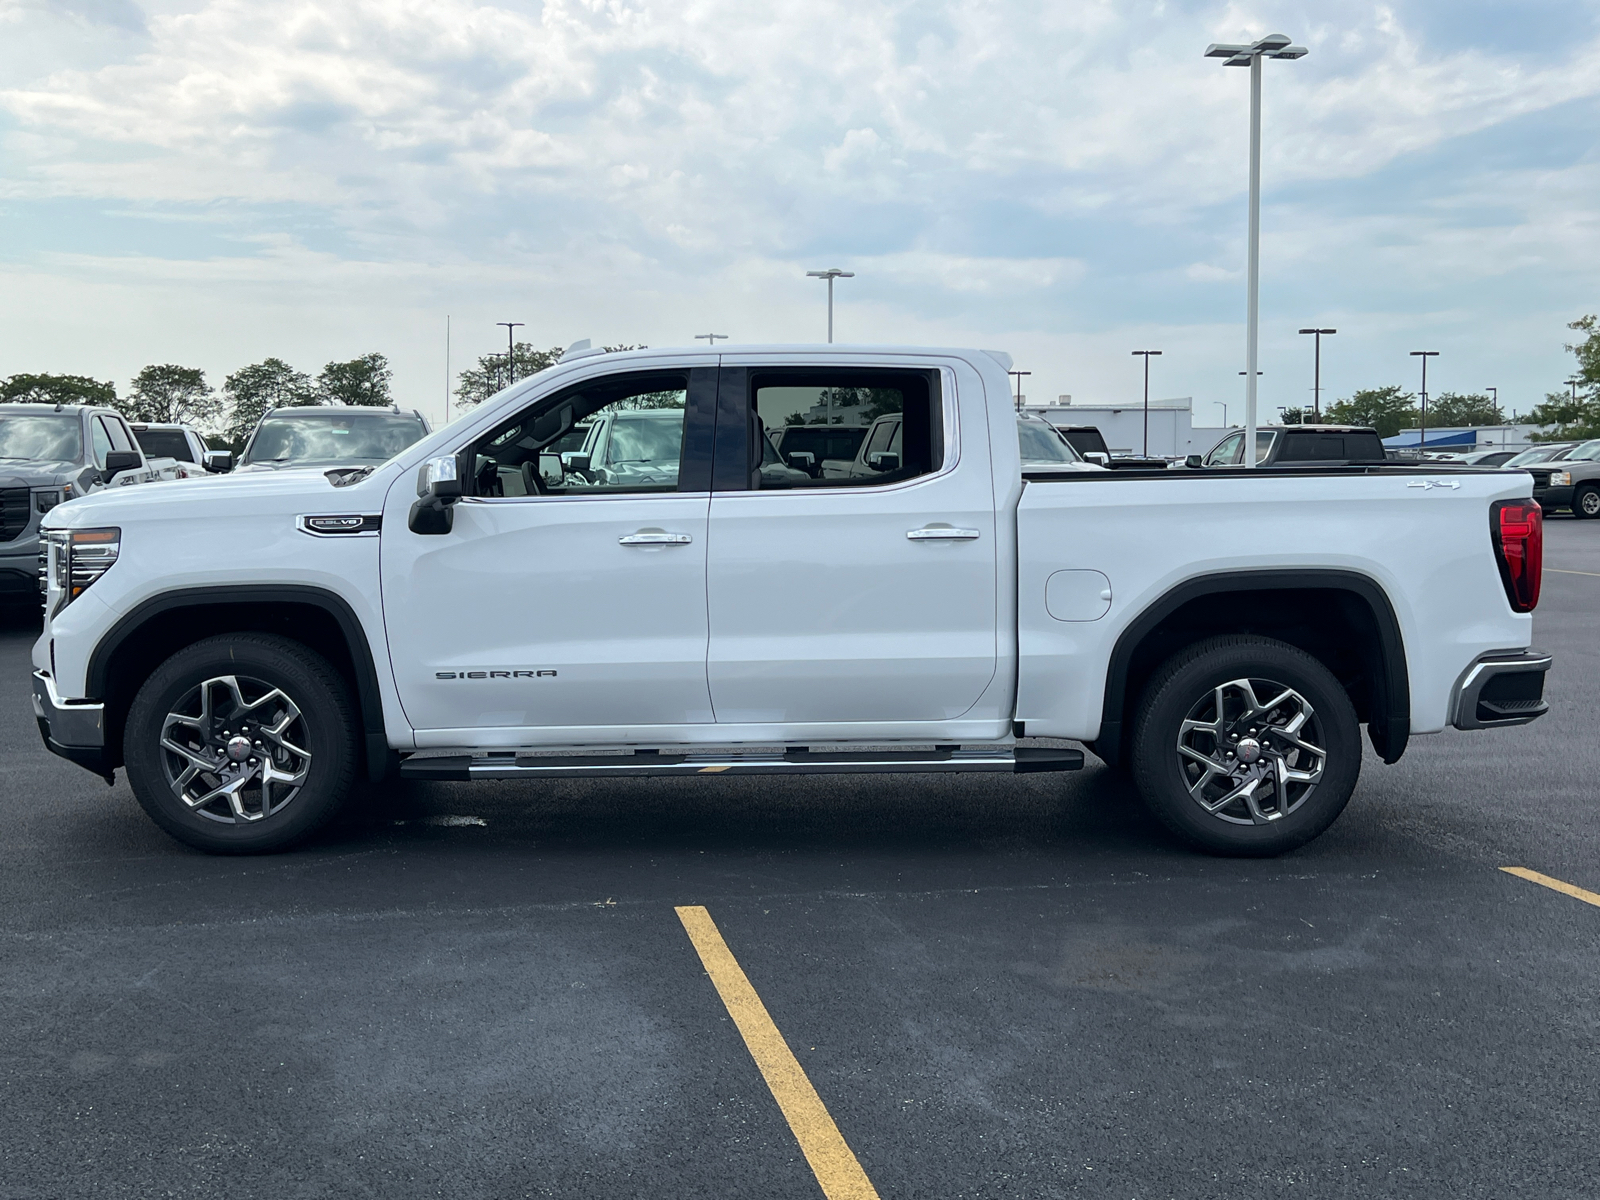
<point x="1085" y="441"/>
<point x="1331" y="447"/>
<point x="164" y="443"/>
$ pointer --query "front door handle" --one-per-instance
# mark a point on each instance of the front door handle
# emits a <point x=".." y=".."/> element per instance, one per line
<point x="654" y="538"/>
<point x="942" y="533"/>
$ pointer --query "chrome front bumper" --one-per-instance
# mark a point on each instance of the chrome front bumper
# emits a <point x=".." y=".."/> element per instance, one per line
<point x="74" y="729"/>
<point x="1502" y="688"/>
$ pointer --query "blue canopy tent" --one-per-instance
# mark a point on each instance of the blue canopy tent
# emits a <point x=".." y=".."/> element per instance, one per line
<point x="1411" y="438"/>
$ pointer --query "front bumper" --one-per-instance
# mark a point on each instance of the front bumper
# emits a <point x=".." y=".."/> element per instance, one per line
<point x="74" y="729"/>
<point x="19" y="566"/>
<point x="1553" y="497"/>
<point x="1502" y="688"/>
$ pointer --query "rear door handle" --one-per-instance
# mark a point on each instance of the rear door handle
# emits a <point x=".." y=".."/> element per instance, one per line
<point x="656" y="538"/>
<point x="942" y="533"/>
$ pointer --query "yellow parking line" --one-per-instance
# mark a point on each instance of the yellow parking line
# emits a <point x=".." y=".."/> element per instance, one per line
<point x="1555" y="885"/>
<point x="835" y="1167"/>
<point x="1559" y="571"/>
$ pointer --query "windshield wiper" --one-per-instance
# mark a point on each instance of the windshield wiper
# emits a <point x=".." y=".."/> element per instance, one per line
<point x="345" y="476"/>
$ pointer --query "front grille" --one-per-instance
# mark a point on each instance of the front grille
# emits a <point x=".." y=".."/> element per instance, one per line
<point x="14" y="505"/>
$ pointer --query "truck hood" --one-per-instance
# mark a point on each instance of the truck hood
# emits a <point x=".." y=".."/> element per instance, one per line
<point x="223" y="496"/>
<point x="37" y="474"/>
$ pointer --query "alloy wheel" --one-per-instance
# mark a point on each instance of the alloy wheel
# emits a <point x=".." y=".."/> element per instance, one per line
<point x="1251" y="751"/>
<point x="1589" y="503"/>
<point x="232" y="749"/>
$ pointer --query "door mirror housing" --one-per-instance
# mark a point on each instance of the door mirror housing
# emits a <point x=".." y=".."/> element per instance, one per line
<point x="438" y="489"/>
<point x="218" y="462"/>
<point x="803" y="459"/>
<point x="883" y="460"/>
<point x="575" y="462"/>
<point x="118" y="461"/>
<point x="1193" y="460"/>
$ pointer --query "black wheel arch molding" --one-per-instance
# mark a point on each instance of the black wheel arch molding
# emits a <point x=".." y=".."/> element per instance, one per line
<point x="359" y="665"/>
<point x="1386" y="706"/>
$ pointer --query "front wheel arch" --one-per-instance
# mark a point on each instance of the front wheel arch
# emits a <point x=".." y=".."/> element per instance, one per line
<point x="318" y="618"/>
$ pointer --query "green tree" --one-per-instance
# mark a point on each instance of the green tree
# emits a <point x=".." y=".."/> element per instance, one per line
<point x="477" y="384"/>
<point x="1475" y="408"/>
<point x="173" y="394"/>
<point x="1298" y="416"/>
<point x="1566" y="417"/>
<point x="1386" y="409"/>
<point x="252" y="390"/>
<point x="363" y="380"/>
<point x="57" y="389"/>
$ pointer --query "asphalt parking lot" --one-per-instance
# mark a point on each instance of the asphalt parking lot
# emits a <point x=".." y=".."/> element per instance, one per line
<point x="997" y="986"/>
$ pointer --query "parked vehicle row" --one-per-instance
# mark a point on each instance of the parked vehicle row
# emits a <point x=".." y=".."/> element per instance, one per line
<point x="675" y="607"/>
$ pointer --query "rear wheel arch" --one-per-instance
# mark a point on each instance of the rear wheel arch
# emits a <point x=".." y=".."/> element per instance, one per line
<point x="1342" y="618"/>
<point x="161" y="626"/>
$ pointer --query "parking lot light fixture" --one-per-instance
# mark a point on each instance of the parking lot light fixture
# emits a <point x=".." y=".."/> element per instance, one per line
<point x="1019" y="375"/>
<point x="1573" y="384"/>
<point x="1274" y="45"/>
<point x="1422" y="423"/>
<point x="830" y="275"/>
<point x="1147" y="355"/>
<point x="511" y="349"/>
<point x="710" y="338"/>
<point x="1316" y="377"/>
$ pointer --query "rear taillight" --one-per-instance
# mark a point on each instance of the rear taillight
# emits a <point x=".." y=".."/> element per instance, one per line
<point x="1517" y="529"/>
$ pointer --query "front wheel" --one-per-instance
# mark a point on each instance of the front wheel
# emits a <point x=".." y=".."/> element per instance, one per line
<point x="1586" y="504"/>
<point x="241" y="744"/>
<point x="1246" y="746"/>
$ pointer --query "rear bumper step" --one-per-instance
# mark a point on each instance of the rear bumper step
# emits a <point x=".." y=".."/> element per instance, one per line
<point x="462" y="767"/>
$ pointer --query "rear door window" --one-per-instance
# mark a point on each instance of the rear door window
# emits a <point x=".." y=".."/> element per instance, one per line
<point x="831" y="411"/>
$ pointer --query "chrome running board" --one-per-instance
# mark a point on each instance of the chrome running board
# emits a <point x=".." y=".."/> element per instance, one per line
<point x="796" y="761"/>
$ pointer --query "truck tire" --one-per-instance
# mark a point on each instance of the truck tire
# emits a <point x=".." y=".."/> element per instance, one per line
<point x="1245" y="746"/>
<point x="241" y="744"/>
<point x="1586" y="503"/>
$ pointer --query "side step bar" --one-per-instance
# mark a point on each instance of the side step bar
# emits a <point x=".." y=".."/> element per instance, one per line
<point x="462" y="767"/>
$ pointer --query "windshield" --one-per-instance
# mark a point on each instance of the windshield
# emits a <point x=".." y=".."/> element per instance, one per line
<point x="646" y="439"/>
<point x="304" y="439"/>
<point x="1042" y="444"/>
<point x="1536" y="454"/>
<point x="41" y="437"/>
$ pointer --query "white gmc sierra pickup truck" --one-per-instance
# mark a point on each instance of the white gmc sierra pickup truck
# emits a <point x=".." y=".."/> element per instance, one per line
<point x="485" y="606"/>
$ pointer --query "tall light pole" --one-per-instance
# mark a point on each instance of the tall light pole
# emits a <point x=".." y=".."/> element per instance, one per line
<point x="511" y="349"/>
<point x="1224" y="407"/>
<point x="1422" y="431"/>
<point x="1494" y="394"/>
<point x="1147" y="355"/>
<point x="711" y="338"/>
<point x="1019" y="375"/>
<point x="1316" y="385"/>
<point x="1573" y="384"/>
<point x="1274" y="45"/>
<point x="830" y="275"/>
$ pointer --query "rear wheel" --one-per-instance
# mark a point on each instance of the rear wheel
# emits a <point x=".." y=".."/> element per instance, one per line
<point x="1246" y="746"/>
<point x="1586" y="503"/>
<point x="241" y="744"/>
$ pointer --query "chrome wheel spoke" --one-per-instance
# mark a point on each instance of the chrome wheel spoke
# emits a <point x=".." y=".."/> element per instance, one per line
<point x="1248" y="751"/>
<point x="233" y="751"/>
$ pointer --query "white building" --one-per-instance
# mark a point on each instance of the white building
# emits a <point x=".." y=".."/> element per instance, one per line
<point x="1173" y="433"/>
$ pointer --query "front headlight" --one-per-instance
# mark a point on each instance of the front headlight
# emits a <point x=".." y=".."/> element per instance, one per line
<point x="45" y="500"/>
<point x="73" y="560"/>
<point x="1560" y="478"/>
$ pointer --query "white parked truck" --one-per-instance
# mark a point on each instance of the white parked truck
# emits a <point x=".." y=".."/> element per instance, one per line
<point x="248" y="647"/>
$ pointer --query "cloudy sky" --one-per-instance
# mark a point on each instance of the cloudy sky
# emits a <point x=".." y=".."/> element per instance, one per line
<point x="212" y="181"/>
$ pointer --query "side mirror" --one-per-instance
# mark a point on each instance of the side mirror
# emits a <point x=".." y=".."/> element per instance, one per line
<point x="438" y="489"/>
<point x="1193" y="460"/>
<point x="803" y="459"/>
<point x="218" y="462"/>
<point x="550" y="468"/>
<point x="575" y="463"/>
<point x="118" y="461"/>
<point x="882" y="460"/>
